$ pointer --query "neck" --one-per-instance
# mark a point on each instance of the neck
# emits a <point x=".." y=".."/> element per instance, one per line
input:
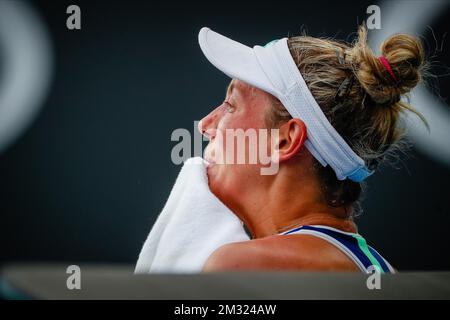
<point x="281" y="205"/>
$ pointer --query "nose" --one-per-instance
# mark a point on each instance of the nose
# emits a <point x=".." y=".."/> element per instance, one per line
<point x="207" y="126"/>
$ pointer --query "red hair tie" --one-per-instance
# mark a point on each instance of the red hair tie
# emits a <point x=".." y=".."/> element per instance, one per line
<point x="387" y="66"/>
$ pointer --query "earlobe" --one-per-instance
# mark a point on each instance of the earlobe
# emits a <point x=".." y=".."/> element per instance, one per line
<point x="292" y="136"/>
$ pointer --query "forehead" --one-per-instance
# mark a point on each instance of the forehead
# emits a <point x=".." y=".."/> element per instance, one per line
<point x="238" y="87"/>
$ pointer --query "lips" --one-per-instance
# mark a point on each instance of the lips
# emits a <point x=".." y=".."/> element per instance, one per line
<point x="209" y="161"/>
<point x="208" y="155"/>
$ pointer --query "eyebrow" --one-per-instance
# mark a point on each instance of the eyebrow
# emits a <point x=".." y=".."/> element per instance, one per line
<point x="229" y="88"/>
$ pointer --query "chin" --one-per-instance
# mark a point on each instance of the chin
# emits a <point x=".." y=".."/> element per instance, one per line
<point x="211" y="172"/>
<point x="216" y="181"/>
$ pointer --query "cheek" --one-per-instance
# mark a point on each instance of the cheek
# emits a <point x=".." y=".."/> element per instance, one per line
<point x="232" y="139"/>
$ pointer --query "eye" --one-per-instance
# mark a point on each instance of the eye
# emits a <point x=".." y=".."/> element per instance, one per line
<point x="230" y="108"/>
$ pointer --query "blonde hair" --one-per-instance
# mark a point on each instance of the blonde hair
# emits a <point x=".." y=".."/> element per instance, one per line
<point x="358" y="96"/>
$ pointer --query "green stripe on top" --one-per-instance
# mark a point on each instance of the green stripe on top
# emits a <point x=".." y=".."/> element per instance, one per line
<point x="364" y="248"/>
<point x="270" y="43"/>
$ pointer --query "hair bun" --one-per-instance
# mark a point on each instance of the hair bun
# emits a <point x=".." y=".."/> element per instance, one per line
<point x="406" y="58"/>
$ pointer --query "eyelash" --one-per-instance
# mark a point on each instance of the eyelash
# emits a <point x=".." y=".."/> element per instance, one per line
<point x="230" y="107"/>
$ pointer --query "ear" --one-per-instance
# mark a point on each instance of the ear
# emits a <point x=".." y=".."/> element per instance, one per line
<point x="292" y="136"/>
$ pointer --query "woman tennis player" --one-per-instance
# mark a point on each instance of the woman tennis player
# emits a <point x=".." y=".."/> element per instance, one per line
<point x="337" y="109"/>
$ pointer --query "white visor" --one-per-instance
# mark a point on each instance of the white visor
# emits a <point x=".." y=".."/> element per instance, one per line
<point x="272" y="69"/>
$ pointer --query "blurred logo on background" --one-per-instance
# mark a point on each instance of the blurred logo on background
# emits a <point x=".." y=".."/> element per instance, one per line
<point x="26" y="65"/>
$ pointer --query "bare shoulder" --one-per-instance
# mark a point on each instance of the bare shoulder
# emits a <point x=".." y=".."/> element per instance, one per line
<point x="290" y="252"/>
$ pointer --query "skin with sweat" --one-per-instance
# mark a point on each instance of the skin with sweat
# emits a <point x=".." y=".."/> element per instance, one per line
<point x="270" y="204"/>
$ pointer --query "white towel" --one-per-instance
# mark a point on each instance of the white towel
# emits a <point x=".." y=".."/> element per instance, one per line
<point x="192" y="224"/>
